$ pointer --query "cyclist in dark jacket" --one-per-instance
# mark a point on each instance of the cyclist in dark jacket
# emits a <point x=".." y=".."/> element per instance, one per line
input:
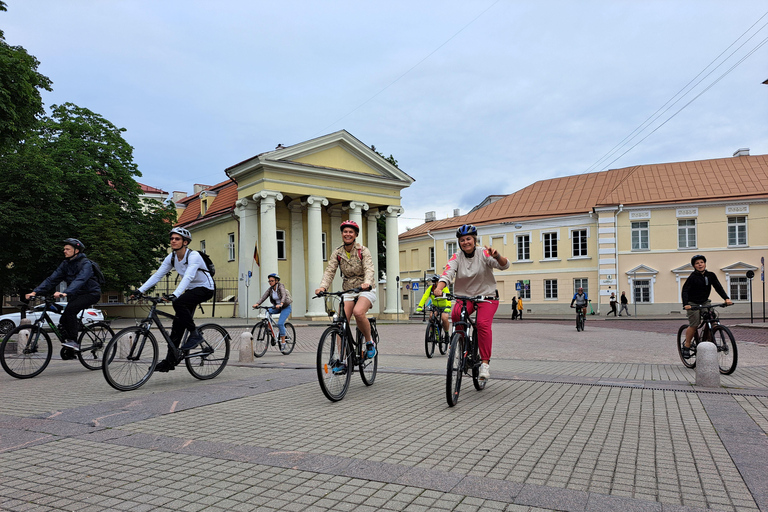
<point x="82" y="290"/>
<point x="696" y="291"/>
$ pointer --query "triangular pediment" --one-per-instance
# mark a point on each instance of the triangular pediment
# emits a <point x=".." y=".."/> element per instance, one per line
<point x="642" y="269"/>
<point x="684" y="269"/>
<point x="739" y="266"/>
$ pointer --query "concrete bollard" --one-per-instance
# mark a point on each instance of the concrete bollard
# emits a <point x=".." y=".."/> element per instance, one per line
<point x="707" y="368"/>
<point x="246" y="348"/>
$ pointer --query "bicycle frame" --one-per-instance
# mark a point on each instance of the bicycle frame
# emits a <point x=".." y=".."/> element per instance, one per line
<point x="146" y="325"/>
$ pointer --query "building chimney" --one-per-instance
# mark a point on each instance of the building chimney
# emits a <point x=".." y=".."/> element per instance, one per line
<point x="742" y="152"/>
<point x="199" y="188"/>
<point x="430" y="217"/>
<point x="456" y="212"/>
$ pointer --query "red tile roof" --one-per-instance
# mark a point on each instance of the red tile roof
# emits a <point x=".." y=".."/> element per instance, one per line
<point x="224" y="202"/>
<point x="700" y="180"/>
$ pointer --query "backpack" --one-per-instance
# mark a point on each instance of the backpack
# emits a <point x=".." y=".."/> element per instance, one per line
<point x="98" y="274"/>
<point x="211" y="271"/>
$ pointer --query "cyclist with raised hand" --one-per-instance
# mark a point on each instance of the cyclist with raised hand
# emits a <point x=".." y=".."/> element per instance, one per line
<point x="439" y="302"/>
<point x="696" y="291"/>
<point x="196" y="287"/>
<point x="581" y="300"/>
<point x="281" y="300"/>
<point x="471" y="271"/>
<point x="356" y="264"/>
<point x="82" y="290"/>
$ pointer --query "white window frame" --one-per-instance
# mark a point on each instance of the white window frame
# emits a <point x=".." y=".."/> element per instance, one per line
<point x="451" y="248"/>
<point x="687" y="230"/>
<point x="550" y="289"/>
<point x="738" y="233"/>
<point x="281" y="245"/>
<point x="741" y="282"/>
<point x="431" y="258"/>
<point x="640" y="227"/>
<point x="581" y="282"/>
<point x="231" y="246"/>
<point x="202" y="245"/>
<point x="636" y="284"/>
<point x="523" y="293"/>
<point x="551" y="237"/>
<point x="523" y="243"/>
<point x="573" y="237"/>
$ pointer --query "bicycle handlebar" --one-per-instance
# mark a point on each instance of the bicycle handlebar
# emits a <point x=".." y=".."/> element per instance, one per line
<point x="476" y="298"/>
<point x="338" y="294"/>
<point x="710" y="306"/>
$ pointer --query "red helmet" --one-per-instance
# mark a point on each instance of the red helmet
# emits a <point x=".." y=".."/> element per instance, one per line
<point x="350" y="224"/>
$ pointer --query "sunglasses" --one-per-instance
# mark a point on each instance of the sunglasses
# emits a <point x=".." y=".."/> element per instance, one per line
<point x="176" y="238"/>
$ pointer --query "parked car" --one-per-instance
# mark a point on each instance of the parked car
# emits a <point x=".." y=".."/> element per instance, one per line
<point x="10" y="321"/>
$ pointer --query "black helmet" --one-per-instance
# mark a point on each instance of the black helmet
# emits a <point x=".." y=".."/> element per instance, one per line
<point x="466" y="229"/>
<point x="696" y="258"/>
<point x="74" y="242"/>
<point x="434" y="278"/>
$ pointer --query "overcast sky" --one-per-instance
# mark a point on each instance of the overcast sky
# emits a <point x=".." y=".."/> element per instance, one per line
<point x="471" y="97"/>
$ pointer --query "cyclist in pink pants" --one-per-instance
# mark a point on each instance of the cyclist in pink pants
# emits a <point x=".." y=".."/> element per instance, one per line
<point x="472" y="272"/>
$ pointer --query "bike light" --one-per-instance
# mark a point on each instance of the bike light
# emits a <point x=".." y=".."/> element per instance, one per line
<point x="91" y="313"/>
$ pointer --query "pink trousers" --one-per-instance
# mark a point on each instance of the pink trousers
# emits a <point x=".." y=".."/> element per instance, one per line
<point x="484" y="324"/>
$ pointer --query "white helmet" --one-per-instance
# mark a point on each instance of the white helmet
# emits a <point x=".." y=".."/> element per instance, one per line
<point x="186" y="235"/>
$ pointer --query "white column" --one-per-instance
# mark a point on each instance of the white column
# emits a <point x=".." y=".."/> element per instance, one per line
<point x="268" y="240"/>
<point x="393" y="261"/>
<point x="246" y="210"/>
<point x="315" y="307"/>
<point x="356" y="209"/>
<point x="373" y="246"/>
<point x="298" y="269"/>
<point x="335" y="239"/>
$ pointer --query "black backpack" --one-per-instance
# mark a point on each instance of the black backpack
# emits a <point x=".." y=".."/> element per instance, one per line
<point x="98" y="274"/>
<point x="211" y="271"/>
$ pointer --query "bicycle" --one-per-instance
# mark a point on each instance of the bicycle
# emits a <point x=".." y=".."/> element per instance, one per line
<point x="338" y="352"/>
<point x="463" y="354"/>
<point x="435" y="334"/>
<point x="27" y="349"/>
<point x="264" y="335"/>
<point x="580" y="318"/>
<point x="710" y="329"/>
<point x="131" y="356"/>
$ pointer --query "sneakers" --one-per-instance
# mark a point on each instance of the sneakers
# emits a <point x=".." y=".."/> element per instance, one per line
<point x="338" y="368"/>
<point x="194" y="340"/>
<point x="485" y="372"/>
<point x="687" y="352"/>
<point x="72" y="344"/>
<point x="164" y="366"/>
<point x="370" y="350"/>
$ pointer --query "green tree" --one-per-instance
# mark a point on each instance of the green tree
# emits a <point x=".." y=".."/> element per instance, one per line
<point x="87" y="190"/>
<point x="381" y="224"/>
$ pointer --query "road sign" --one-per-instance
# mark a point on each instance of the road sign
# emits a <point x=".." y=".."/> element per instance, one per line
<point x="415" y="287"/>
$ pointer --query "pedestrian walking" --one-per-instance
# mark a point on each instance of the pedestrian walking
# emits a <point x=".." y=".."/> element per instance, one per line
<point x="514" y="308"/>
<point x="624" y="304"/>
<point x="520" y="308"/>
<point x="613" y="304"/>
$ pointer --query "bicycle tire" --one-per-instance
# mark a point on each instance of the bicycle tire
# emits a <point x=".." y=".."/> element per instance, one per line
<point x="454" y="369"/>
<point x="582" y="322"/>
<point x="290" y="339"/>
<point x="129" y="358"/>
<point x="727" y="354"/>
<point x="93" y="339"/>
<point x="25" y="363"/>
<point x="209" y="358"/>
<point x="369" y="367"/>
<point x="691" y="361"/>
<point x="260" y="334"/>
<point x="429" y="340"/>
<point x="443" y="343"/>
<point x="479" y="384"/>
<point x="333" y="348"/>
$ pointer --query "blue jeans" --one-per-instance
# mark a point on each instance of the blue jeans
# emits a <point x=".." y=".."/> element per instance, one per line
<point x="284" y="312"/>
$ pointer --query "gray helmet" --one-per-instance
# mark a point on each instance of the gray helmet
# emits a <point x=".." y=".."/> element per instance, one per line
<point x="186" y="235"/>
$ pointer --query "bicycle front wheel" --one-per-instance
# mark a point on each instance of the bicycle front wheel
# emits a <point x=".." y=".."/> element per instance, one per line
<point x="368" y="367"/>
<point x="25" y="351"/>
<point x="211" y="356"/>
<point x="455" y="368"/>
<point x="727" y="355"/>
<point x="334" y="358"/>
<point x="92" y="341"/>
<point x="129" y="359"/>
<point x="479" y="384"/>
<point x="691" y="361"/>
<point x="429" y="340"/>
<point x="260" y="334"/>
<point x="582" y="321"/>
<point x="290" y="339"/>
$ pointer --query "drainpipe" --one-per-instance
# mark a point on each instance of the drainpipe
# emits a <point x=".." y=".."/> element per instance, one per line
<point x="616" y="245"/>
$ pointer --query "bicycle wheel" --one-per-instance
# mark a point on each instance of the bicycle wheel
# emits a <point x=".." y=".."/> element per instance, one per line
<point x="334" y="364"/>
<point x="479" y="384"/>
<point x="368" y="367"/>
<point x="443" y="343"/>
<point x="211" y="356"/>
<point x="691" y="361"/>
<point x="429" y="340"/>
<point x="582" y="321"/>
<point x="261" y="335"/>
<point x="26" y="351"/>
<point x="129" y="358"/>
<point x="727" y="355"/>
<point x="290" y="339"/>
<point x="455" y="369"/>
<point x="93" y="339"/>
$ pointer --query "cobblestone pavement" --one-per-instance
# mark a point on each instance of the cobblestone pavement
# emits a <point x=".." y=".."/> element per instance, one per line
<point x="607" y="419"/>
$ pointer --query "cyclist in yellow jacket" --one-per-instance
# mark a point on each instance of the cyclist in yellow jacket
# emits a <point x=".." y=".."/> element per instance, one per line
<point x="440" y="302"/>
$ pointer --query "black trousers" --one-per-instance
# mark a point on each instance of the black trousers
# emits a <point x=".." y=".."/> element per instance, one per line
<point x="74" y="306"/>
<point x="184" y="309"/>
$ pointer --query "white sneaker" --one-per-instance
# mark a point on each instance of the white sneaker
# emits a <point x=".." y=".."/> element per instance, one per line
<point x="485" y="372"/>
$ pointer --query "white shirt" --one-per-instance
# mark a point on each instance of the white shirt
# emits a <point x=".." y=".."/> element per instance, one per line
<point x="190" y="268"/>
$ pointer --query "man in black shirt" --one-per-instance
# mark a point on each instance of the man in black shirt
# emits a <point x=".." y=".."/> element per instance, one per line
<point x="696" y="291"/>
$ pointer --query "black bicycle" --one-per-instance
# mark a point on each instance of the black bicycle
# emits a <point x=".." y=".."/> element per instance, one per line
<point x="435" y="335"/>
<point x="338" y="352"/>
<point x="27" y="349"/>
<point x="463" y="354"/>
<point x="580" y="318"/>
<point x="710" y="329"/>
<point x="265" y="333"/>
<point x="131" y="356"/>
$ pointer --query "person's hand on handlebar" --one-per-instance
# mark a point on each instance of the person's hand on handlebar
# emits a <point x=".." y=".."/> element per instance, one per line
<point x="320" y="290"/>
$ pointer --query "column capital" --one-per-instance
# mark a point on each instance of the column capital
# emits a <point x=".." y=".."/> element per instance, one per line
<point x="357" y="205"/>
<point x="373" y="214"/>
<point x="321" y="201"/>
<point x="394" y="210"/>
<point x="269" y="195"/>
<point x="296" y="206"/>
<point x="242" y="202"/>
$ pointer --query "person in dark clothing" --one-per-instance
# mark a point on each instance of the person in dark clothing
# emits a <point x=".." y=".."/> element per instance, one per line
<point x="82" y="290"/>
<point x="514" y="308"/>
<point x="624" y="304"/>
<point x="696" y="291"/>
<point x="613" y="305"/>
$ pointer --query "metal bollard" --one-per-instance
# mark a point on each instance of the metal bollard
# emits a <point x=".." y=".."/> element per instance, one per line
<point x="246" y="347"/>
<point x="707" y="368"/>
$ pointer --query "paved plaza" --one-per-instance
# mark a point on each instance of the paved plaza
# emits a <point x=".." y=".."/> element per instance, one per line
<point x="604" y="420"/>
